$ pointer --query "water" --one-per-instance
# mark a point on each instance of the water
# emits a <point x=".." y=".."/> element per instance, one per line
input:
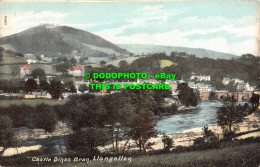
<point x="204" y="114"/>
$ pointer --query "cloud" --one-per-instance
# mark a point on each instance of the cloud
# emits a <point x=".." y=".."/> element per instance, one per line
<point x="178" y="38"/>
<point x="156" y="12"/>
<point x="249" y="31"/>
<point x="215" y="22"/>
<point x="176" y="35"/>
<point x="150" y="8"/>
<point x="20" y="22"/>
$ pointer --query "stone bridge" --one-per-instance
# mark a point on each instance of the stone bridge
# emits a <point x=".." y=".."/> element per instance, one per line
<point x="240" y="96"/>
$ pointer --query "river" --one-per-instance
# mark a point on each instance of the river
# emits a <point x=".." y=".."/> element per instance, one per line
<point x="204" y="114"/>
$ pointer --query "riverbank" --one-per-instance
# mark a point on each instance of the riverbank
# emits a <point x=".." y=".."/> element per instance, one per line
<point x="186" y="137"/>
<point x="36" y="139"/>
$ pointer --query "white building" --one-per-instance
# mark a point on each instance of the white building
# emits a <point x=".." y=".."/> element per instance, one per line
<point x="226" y="81"/>
<point x="29" y="61"/>
<point x="201" y="77"/>
<point x="76" y="71"/>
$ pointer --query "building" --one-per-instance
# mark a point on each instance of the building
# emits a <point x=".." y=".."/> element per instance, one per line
<point x="241" y="86"/>
<point x="204" y="88"/>
<point x="200" y="77"/>
<point x="244" y="87"/>
<point x="192" y="85"/>
<point x="226" y="81"/>
<point x="76" y="71"/>
<point x="30" y="61"/>
<point x="25" y="70"/>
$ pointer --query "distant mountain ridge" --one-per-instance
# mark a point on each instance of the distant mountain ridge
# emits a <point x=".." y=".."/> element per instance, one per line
<point x="140" y="49"/>
<point x="59" y="40"/>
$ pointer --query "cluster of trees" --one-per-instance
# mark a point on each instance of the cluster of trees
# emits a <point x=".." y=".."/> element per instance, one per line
<point x="55" y="87"/>
<point x="230" y="115"/>
<point x="14" y="53"/>
<point x="25" y="115"/>
<point x="16" y="116"/>
<point x="100" y="120"/>
<point x="96" y="120"/>
<point x="1" y="53"/>
<point x="187" y="96"/>
<point x="63" y="64"/>
<point x="12" y="86"/>
<point x="186" y="64"/>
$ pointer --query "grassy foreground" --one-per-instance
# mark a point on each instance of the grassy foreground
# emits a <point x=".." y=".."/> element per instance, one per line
<point x="244" y="155"/>
<point x="32" y="102"/>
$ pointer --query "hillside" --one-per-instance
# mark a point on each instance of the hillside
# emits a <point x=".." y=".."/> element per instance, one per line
<point x="244" y="155"/>
<point x="145" y="49"/>
<point x="59" y="40"/>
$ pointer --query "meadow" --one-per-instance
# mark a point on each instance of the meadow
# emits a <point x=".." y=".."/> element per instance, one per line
<point x="32" y="102"/>
<point x="244" y="155"/>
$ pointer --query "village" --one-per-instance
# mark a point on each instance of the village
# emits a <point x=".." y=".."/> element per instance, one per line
<point x="197" y="82"/>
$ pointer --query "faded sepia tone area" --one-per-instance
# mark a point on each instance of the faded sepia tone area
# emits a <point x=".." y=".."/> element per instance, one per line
<point x="198" y="104"/>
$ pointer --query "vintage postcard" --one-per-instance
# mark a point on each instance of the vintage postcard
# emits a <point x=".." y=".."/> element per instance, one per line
<point x="129" y="83"/>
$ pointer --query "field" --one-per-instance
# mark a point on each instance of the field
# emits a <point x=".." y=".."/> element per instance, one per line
<point x="7" y="58"/>
<point x="48" y="69"/>
<point x="129" y="60"/>
<point x="245" y="155"/>
<point x="166" y="63"/>
<point x="11" y="64"/>
<point x="32" y="102"/>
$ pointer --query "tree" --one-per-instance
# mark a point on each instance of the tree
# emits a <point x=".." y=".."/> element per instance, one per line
<point x="167" y="142"/>
<point x="208" y="135"/>
<point x="212" y="96"/>
<point x="38" y="72"/>
<point x="186" y="95"/>
<point x="231" y="86"/>
<point x="38" y="57"/>
<point x="1" y="55"/>
<point x="47" y="117"/>
<point x="73" y="61"/>
<point x="87" y="114"/>
<point x="63" y="67"/>
<point x="83" y="88"/>
<point x="19" y="54"/>
<point x="102" y="62"/>
<point x="229" y="115"/>
<point x="30" y="85"/>
<point x="1" y="49"/>
<point x="254" y="100"/>
<point x="142" y="128"/>
<point x="44" y="85"/>
<point x="6" y="132"/>
<point x="123" y="64"/>
<point x="86" y="141"/>
<point x="70" y="86"/>
<point x="55" y="89"/>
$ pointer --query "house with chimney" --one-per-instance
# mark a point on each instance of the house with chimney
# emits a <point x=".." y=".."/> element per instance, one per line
<point x="76" y="71"/>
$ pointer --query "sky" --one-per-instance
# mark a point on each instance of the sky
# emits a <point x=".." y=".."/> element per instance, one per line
<point x="224" y="26"/>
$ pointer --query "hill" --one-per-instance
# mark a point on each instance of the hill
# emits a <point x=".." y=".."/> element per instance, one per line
<point x="145" y="49"/>
<point x="60" y="40"/>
